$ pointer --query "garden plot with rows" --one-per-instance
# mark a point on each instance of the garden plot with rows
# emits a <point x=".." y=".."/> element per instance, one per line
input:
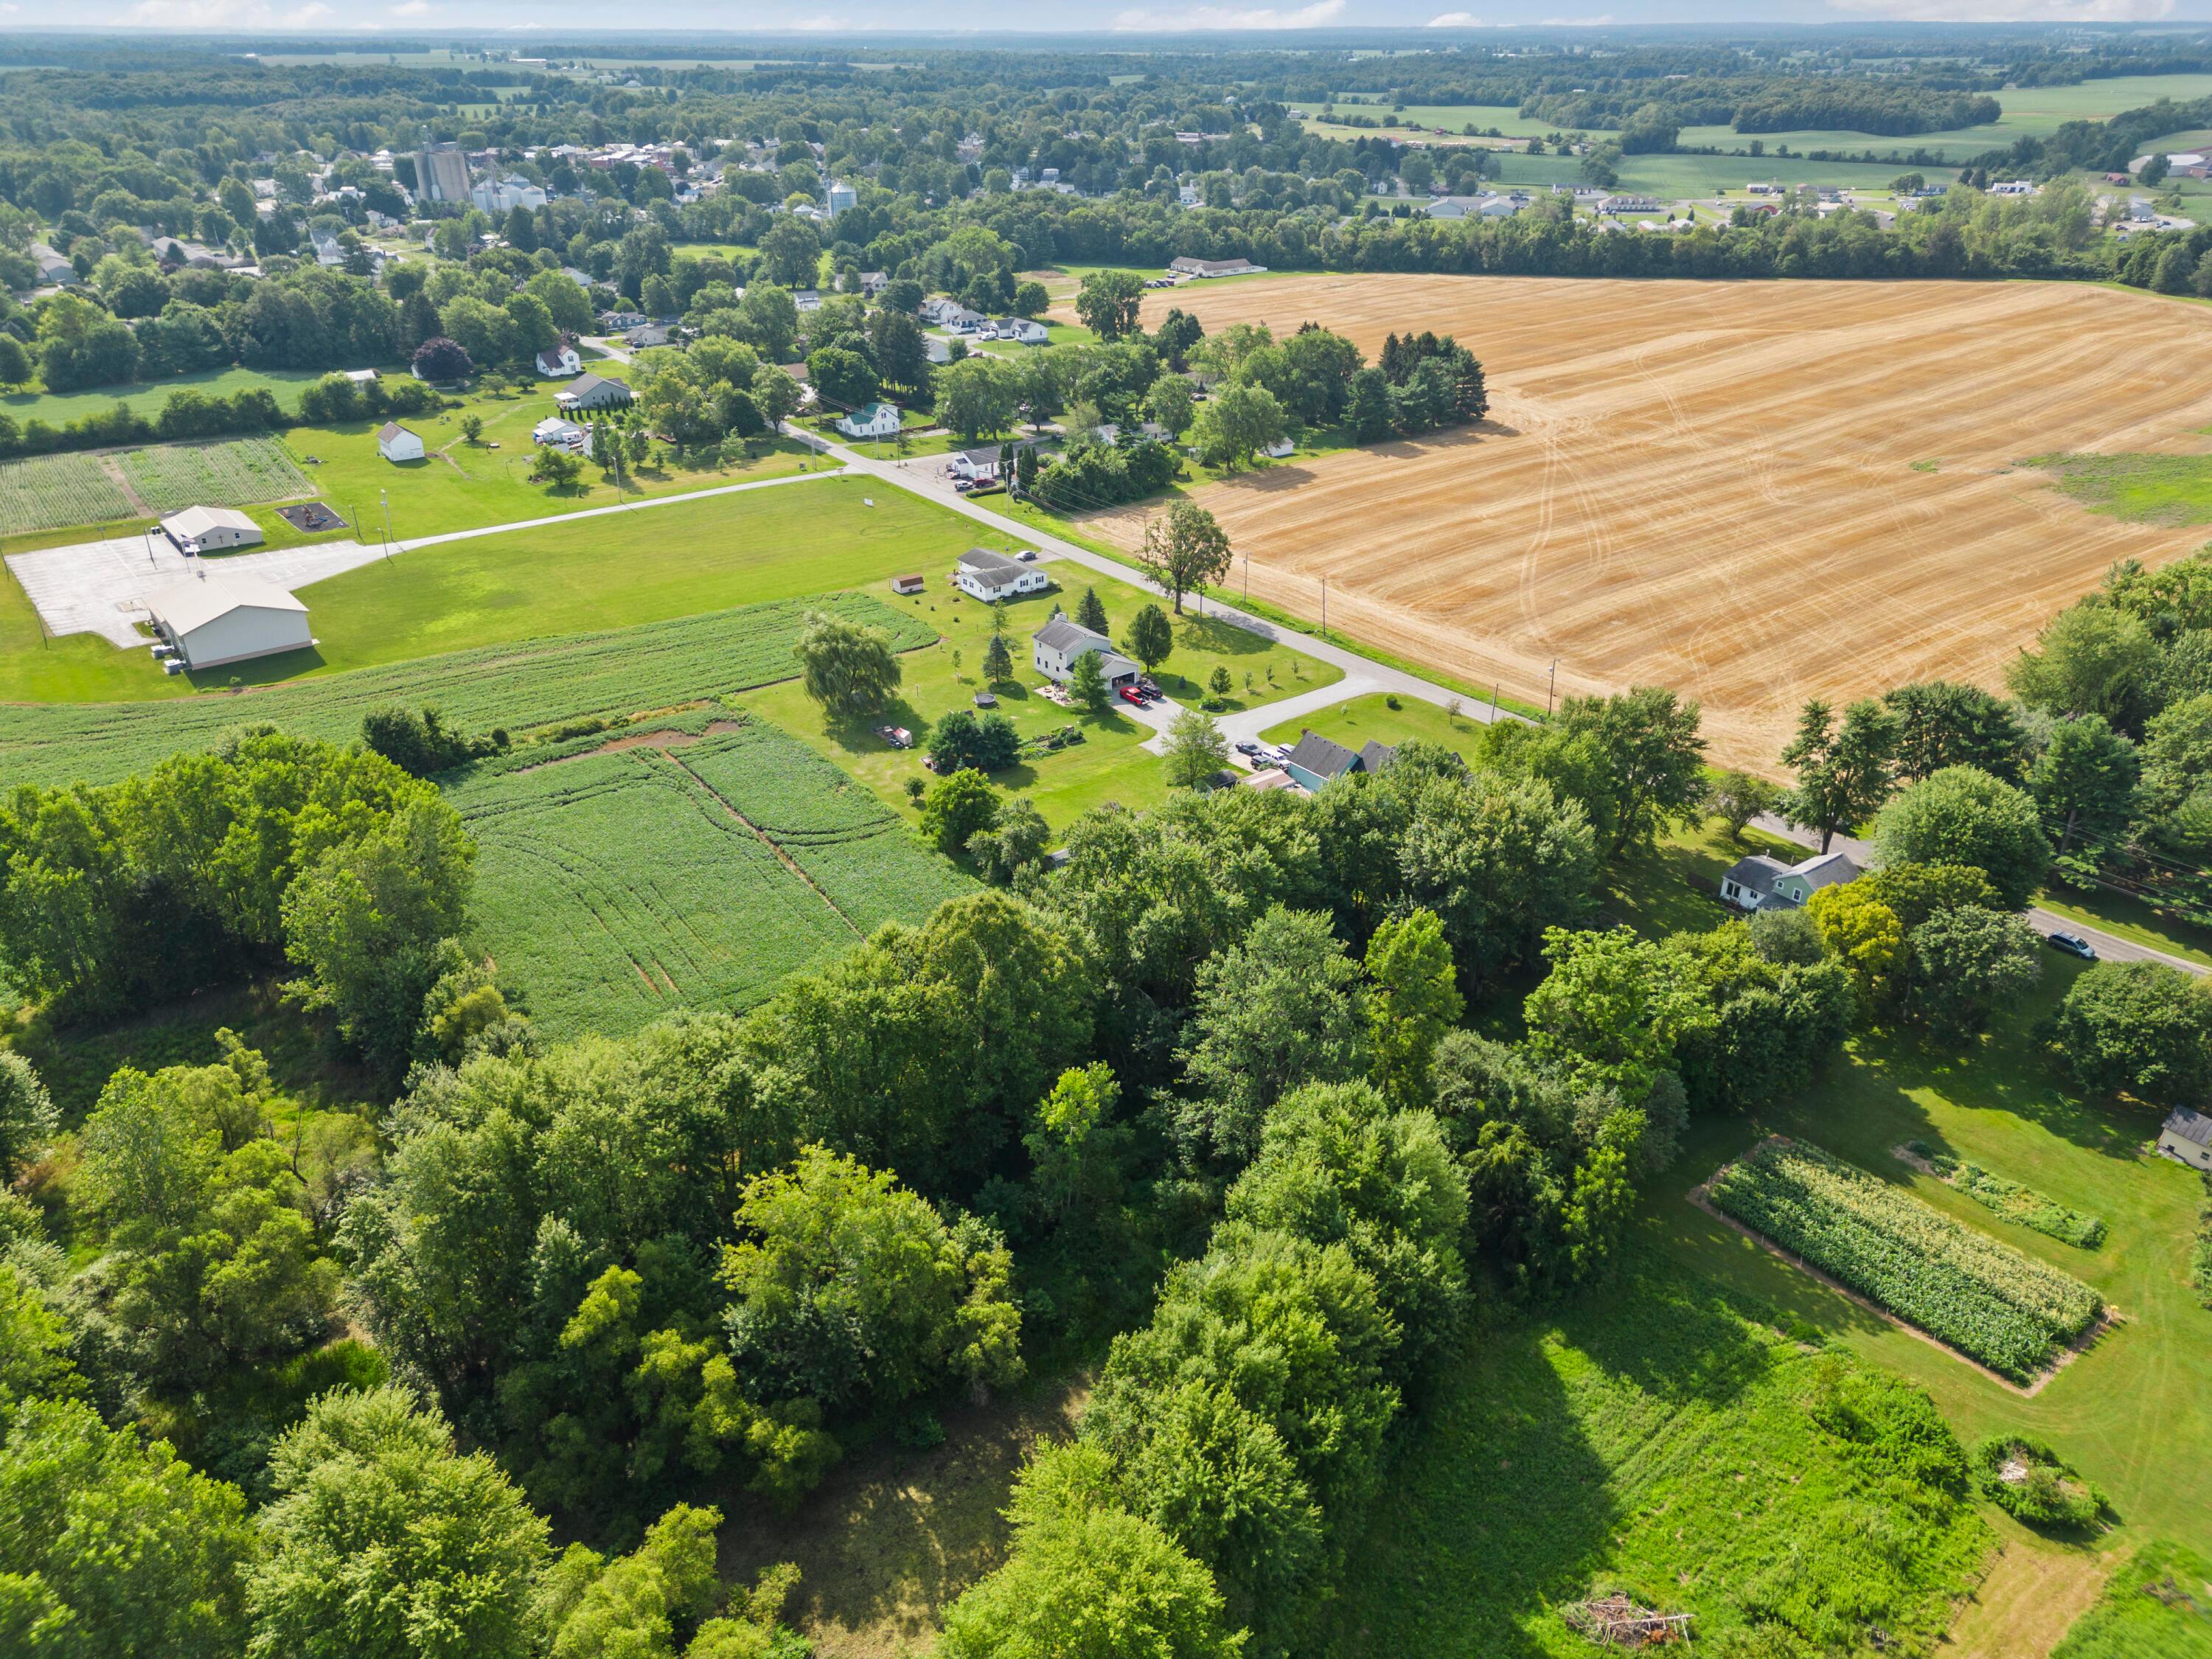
<point x="239" y="473"/>
<point x="46" y="492"/>
<point x="1982" y="1298"/>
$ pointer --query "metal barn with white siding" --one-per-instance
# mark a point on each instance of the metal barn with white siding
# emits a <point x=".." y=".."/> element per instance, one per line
<point x="213" y="620"/>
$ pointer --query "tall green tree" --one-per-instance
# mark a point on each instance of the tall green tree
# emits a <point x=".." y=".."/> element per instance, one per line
<point x="1108" y="302"/>
<point x="2084" y="784"/>
<point x="1412" y="1000"/>
<point x="1085" y="1577"/>
<point x="1195" y="749"/>
<point x="1942" y="723"/>
<point x="847" y="667"/>
<point x="1183" y="550"/>
<point x="28" y="1117"/>
<point x="385" y="1542"/>
<point x="1654" y="758"/>
<point x="1151" y="636"/>
<point x="1844" y="772"/>
<point x="1962" y="815"/>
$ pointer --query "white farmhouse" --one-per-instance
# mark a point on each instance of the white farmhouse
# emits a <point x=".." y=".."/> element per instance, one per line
<point x="396" y="443"/>
<point x="871" y="420"/>
<point x="991" y="576"/>
<point x="554" y="432"/>
<point x="214" y="620"/>
<point x="210" y="530"/>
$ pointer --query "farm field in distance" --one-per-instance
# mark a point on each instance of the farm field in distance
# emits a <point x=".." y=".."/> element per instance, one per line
<point x="1713" y="486"/>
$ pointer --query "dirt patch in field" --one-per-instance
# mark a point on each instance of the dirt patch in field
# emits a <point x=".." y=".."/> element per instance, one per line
<point x="1721" y="487"/>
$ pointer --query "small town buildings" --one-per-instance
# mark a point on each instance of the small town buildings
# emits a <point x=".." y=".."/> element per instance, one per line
<point x="1273" y="777"/>
<point x="562" y="361"/>
<point x="1471" y="207"/>
<point x="2187" y="1136"/>
<point x="1208" y="268"/>
<point x="646" y="336"/>
<point x="806" y="299"/>
<point x="1315" y="761"/>
<point x="614" y="322"/>
<point x="213" y="620"/>
<point x="958" y="320"/>
<point x="361" y="376"/>
<point x="396" y="443"/>
<point x="877" y="420"/>
<point x="1023" y="331"/>
<point x="1760" y="882"/>
<point x="1055" y="646"/>
<point x="842" y="197"/>
<point x="53" y="269"/>
<point x="873" y="282"/>
<point x="554" y="432"/>
<point x="590" y="392"/>
<point x="211" y="530"/>
<point x="908" y="585"/>
<point x="937" y="348"/>
<point x="499" y="196"/>
<point x="1628" y="204"/>
<point x="991" y="576"/>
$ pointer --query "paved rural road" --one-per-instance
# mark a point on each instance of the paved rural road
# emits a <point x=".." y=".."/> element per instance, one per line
<point x="1373" y="676"/>
<point x="2110" y="947"/>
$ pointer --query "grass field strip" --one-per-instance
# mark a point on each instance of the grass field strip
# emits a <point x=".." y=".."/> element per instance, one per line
<point x="520" y="686"/>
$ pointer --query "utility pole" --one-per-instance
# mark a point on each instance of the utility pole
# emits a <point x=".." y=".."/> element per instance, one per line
<point x="1248" y="578"/>
<point x="1551" y="688"/>
<point x="384" y="496"/>
<point x="1324" y="607"/>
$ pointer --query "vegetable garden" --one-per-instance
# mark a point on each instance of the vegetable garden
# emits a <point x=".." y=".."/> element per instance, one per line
<point x="48" y="491"/>
<point x="613" y="886"/>
<point x="2005" y="1197"/>
<point x="236" y="473"/>
<point x="1983" y="1298"/>
<point x="522" y="686"/>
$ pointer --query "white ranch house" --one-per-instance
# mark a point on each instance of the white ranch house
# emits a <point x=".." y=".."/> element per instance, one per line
<point x="2187" y="1137"/>
<point x="991" y="576"/>
<point x="211" y="530"/>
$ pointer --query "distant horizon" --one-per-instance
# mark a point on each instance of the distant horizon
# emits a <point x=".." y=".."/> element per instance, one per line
<point x="1140" y="24"/>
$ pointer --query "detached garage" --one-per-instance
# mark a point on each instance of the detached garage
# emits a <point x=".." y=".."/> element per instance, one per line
<point x="213" y="620"/>
<point x="211" y="530"/>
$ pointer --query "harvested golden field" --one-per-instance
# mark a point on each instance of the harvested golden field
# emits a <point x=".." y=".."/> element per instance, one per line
<point x="1752" y="492"/>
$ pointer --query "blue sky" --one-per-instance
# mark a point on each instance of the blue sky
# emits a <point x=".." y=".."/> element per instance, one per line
<point x="1136" y="18"/>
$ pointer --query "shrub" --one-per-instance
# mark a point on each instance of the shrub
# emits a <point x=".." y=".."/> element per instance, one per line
<point x="2029" y="1481"/>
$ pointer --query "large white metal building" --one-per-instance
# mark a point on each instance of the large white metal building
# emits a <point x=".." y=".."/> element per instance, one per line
<point x="213" y="620"/>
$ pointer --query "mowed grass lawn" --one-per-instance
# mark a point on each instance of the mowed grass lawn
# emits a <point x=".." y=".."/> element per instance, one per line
<point x="813" y="536"/>
<point x="463" y="486"/>
<point x="1110" y="764"/>
<point x="56" y="408"/>
<point x="2122" y="1409"/>
<point x="1359" y="719"/>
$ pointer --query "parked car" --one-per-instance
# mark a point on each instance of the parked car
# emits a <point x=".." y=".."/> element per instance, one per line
<point x="1149" y="686"/>
<point x="1131" y="695"/>
<point x="2075" y="945"/>
<point x="1027" y="555"/>
<point x="898" y="736"/>
<point x="1248" y="748"/>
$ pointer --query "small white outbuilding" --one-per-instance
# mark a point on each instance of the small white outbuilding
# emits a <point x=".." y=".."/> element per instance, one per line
<point x="211" y="530"/>
<point x="396" y="443"/>
<point x="213" y="620"/>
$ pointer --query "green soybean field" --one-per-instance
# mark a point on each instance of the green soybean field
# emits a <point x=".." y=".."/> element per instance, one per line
<point x="48" y="491"/>
<point x="235" y="473"/>
<point x="522" y="686"/>
<point x="1984" y="1298"/>
<point x="691" y="864"/>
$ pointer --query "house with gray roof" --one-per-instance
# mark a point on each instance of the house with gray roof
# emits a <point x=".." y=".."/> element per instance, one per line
<point x="1055" y="646"/>
<point x="990" y="577"/>
<point x="1315" y="761"/>
<point x="589" y="392"/>
<point x="1760" y="882"/>
<point x="2187" y="1136"/>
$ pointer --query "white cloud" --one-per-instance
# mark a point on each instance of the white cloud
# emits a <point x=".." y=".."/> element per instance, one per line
<point x="1321" y="13"/>
<point x="2013" y="11"/>
<point x="1455" y="20"/>
<point x="411" y="8"/>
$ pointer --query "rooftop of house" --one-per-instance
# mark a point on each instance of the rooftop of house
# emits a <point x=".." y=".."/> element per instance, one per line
<point x="1327" y="758"/>
<point x="1760" y="874"/>
<point x="2189" y="1125"/>
<point x="1064" y="635"/>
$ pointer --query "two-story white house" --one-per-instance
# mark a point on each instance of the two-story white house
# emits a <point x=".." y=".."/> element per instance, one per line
<point x="1055" y="646"/>
<point x="871" y="420"/>
<point x="991" y="576"/>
